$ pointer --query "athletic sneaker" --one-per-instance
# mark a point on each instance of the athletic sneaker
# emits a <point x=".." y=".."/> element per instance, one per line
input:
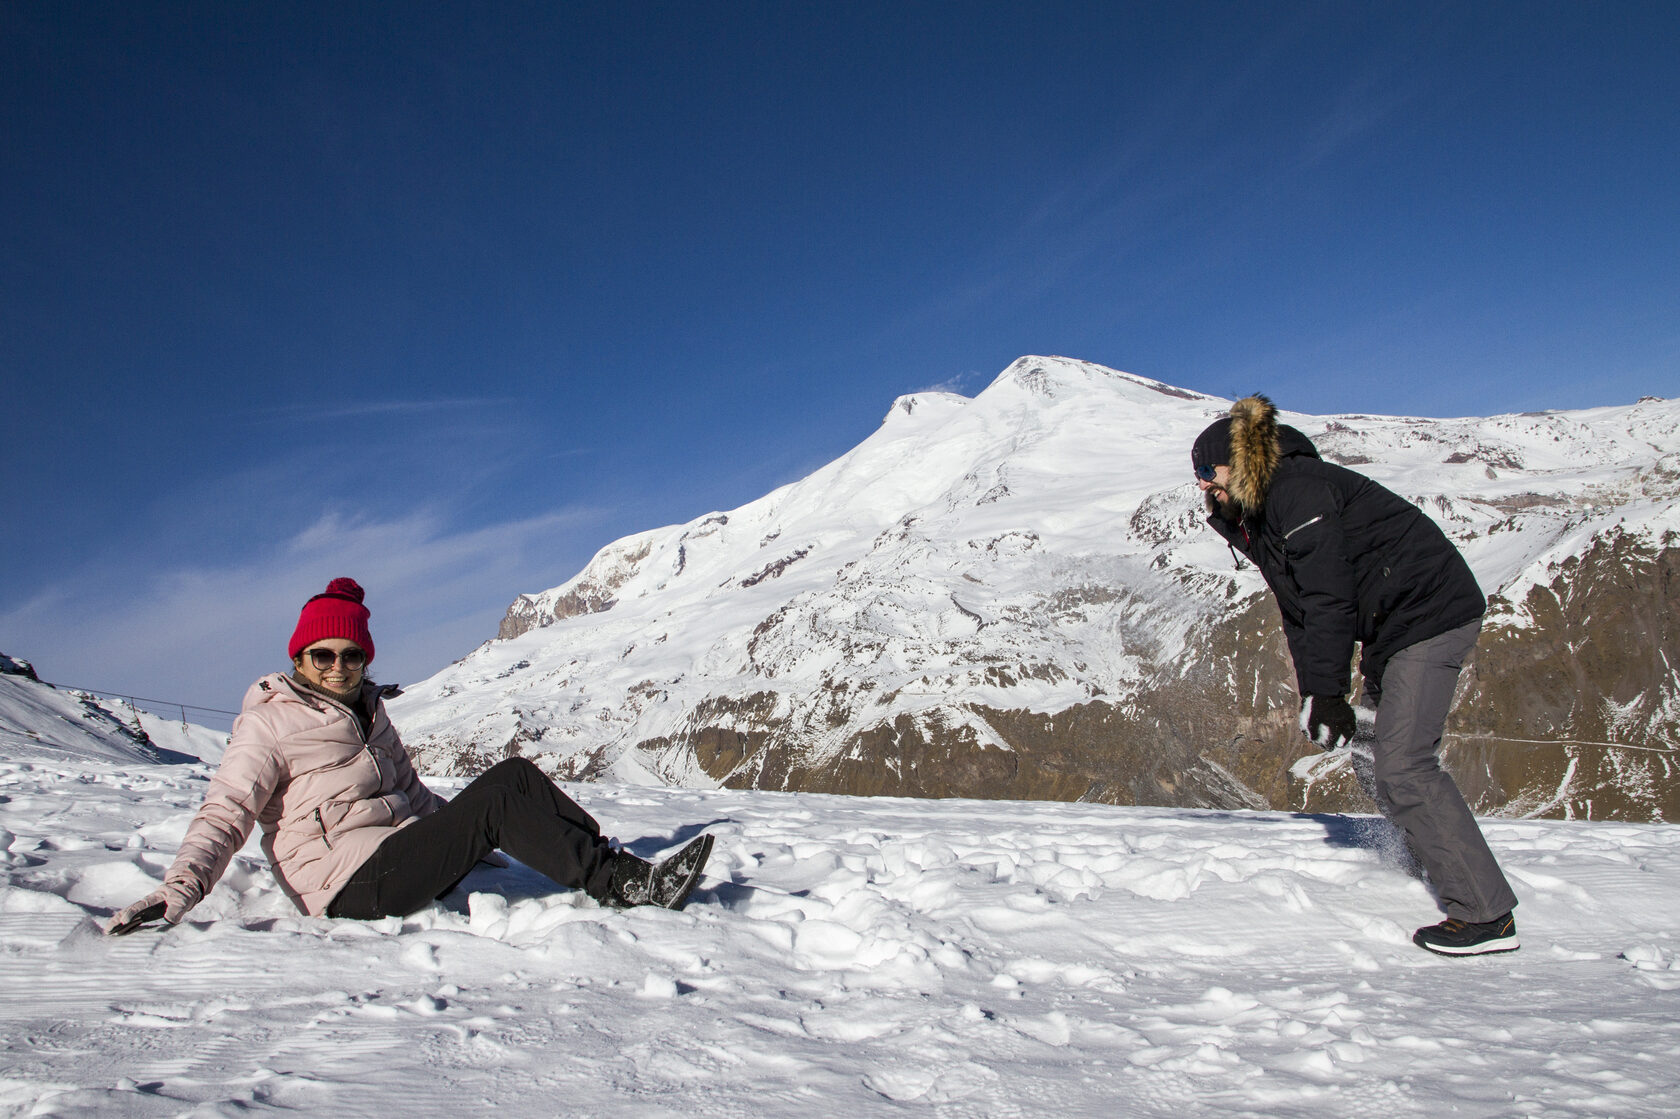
<point x="1453" y="937"/>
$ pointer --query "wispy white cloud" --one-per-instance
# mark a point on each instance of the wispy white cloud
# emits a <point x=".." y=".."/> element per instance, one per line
<point x="365" y="408"/>
<point x="960" y="383"/>
<point x="200" y="633"/>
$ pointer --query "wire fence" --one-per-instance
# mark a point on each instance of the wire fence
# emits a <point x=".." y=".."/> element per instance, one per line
<point x="1665" y="748"/>
<point x="135" y="701"/>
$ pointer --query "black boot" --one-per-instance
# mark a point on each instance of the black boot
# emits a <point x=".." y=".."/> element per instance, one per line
<point x="638" y="882"/>
<point x="629" y="884"/>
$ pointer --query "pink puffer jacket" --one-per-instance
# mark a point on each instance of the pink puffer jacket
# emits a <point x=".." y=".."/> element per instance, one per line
<point x="298" y="765"/>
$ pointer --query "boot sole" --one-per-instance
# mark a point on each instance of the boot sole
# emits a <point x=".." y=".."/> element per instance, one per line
<point x="1486" y="948"/>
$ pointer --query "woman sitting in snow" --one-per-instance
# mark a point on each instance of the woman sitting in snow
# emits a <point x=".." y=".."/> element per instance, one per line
<point x="348" y="826"/>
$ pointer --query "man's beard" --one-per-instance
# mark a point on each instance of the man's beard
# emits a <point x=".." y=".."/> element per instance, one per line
<point x="1224" y="507"/>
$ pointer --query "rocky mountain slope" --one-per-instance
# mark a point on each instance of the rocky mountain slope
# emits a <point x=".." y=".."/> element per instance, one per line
<point x="1015" y="596"/>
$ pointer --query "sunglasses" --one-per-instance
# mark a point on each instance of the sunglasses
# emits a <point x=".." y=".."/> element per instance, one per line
<point x="324" y="659"/>
<point x="1205" y="473"/>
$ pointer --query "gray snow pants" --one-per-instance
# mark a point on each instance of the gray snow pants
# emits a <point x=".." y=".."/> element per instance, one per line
<point x="1412" y="705"/>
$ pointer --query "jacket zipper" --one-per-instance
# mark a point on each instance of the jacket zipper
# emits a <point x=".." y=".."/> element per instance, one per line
<point x="367" y="748"/>
<point x="367" y="745"/>
<point x="355" y="723"/>
<point x="1302" y="525"/>
<point x="1248" y="542"/>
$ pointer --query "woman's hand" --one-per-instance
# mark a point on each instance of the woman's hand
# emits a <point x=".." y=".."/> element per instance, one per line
<point x="158" y="903"/>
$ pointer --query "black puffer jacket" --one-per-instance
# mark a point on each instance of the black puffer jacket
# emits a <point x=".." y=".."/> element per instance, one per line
<point x="1348" y="560"/>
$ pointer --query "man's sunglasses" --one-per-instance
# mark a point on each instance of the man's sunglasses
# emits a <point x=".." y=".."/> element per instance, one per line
<point x="323" y="659"/>
<point x="1205" y="473"/>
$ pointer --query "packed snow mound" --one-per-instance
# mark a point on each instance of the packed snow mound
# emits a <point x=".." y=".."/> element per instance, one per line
<point x="958" y="957"/>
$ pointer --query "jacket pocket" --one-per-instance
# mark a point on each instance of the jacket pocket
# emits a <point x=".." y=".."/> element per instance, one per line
<point x="322" y="824"/>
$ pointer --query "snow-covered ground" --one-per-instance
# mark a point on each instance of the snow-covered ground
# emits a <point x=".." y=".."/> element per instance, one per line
<point x="849" y="957"/>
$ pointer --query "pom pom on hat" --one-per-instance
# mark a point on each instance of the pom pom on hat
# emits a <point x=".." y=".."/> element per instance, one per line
<point x="346" y="588"/>
<point x="335" y="612"/>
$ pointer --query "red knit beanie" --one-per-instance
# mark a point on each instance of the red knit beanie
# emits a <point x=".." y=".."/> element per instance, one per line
<point x="336" y="612"/>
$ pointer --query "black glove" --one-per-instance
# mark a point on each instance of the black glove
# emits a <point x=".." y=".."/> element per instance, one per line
<point x="1328" y="721"/>
<point x="150" y="908"/>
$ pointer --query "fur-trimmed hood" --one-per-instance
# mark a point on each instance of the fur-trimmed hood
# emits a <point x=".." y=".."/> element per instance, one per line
<point x="1258" y="444"/>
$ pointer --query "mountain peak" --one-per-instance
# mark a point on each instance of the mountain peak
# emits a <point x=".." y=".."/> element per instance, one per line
<point x="922" y="405"/>
<point x="1026" y="575"/>
<point x="1052" y="378"/>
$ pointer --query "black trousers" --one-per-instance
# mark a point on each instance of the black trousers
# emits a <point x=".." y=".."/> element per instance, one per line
<point x="513" y="806"/>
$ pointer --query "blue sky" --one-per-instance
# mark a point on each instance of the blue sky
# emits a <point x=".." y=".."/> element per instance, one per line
<point x="447" y="296"/>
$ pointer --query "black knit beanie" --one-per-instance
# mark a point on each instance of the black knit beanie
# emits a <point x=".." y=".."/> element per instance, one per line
<point x="1213" y="445"/>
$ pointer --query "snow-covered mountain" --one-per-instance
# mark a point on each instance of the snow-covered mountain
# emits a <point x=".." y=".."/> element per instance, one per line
<point x="36" y="717"/>
<point x="1015" y="596"/>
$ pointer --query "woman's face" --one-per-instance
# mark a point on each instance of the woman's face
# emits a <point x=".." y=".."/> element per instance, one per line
<point x="336" y="677"/>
